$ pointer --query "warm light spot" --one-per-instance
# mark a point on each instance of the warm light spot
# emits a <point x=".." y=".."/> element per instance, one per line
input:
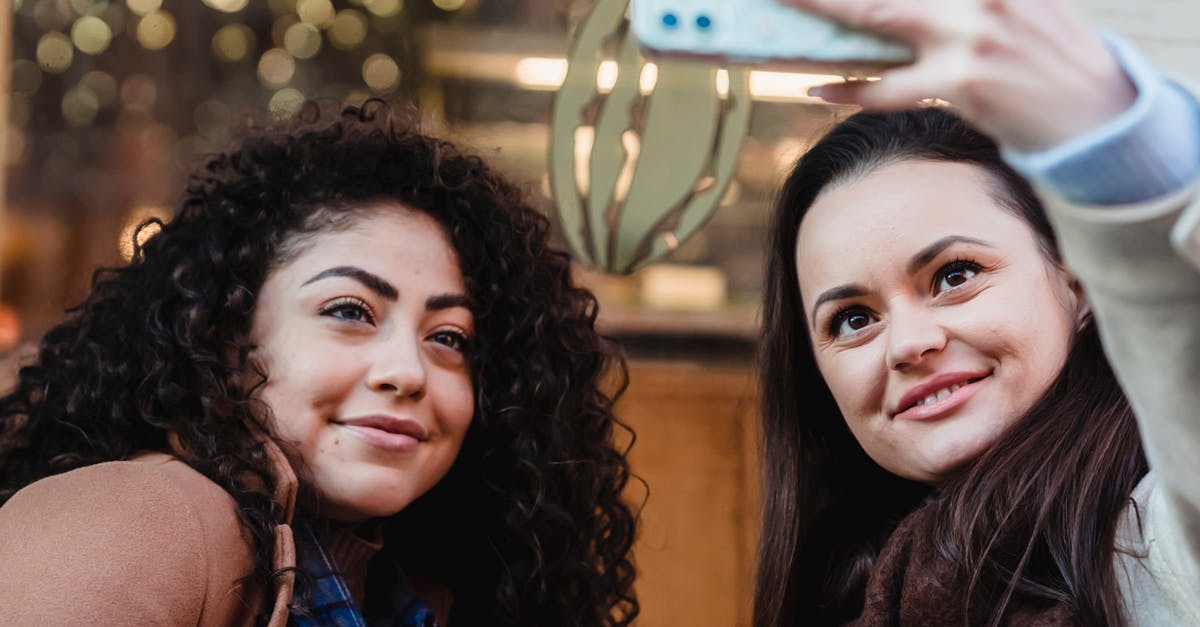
<point x="383" y="8"/>
<point x="139" y="92"/>
<point x="286" y="102"/>
<point x="280" y="27"/>
<point x="541" y="72"/>
<point x="723" y="83"/>
<point x="632" y="145"/>
<point x="10" y="328"/>
<point x="787" y="86"/>
<point x="54" y="52"/>
<point x="315" y="12"/>
<point x="227" y="6"/>
<point x="233" y="42"/>
<point x="143" y="7"/>
<point x="26" y="77"/>
<point x="80" y="106"/>
<point x="449" y="5"/>
<point x="136" y="217"/>
<point x="276" y="68"/>
<point x="585" y="136"/>
<point x="349" y="29"/>
<point x="102" y="84"/>
<point x="156" y="30"/>
<point x="381" y="73"/>
<point x="91" y="35"/>
<point x="303" y="40"/>
<point x="606" y="76"/>
<point x="648" y="78"/>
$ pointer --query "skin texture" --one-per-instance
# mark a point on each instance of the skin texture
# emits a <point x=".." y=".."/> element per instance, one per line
<point x="367" y="352"/>
<point x="1030" y="73"/>
<point x="998" y="310"/>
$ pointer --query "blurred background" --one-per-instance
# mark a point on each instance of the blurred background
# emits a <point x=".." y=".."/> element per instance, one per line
<point x="108" y="104"/>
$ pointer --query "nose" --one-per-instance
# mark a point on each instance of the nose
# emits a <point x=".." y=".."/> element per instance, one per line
<point x="398" y="368"/>
<point x="913" y="336"/>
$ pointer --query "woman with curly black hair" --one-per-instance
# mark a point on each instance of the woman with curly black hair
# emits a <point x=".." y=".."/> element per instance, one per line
<point x="350" y="381"/>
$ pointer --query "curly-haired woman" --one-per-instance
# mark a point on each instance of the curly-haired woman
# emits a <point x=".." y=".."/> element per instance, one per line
<point x="348" y="382"/>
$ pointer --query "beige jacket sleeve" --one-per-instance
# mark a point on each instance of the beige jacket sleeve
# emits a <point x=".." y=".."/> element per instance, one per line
<point x="1145" y="296"/>
<point x="147" y="542"/>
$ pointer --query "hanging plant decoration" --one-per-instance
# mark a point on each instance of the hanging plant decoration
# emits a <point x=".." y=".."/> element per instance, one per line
<point x="641" y="152"/>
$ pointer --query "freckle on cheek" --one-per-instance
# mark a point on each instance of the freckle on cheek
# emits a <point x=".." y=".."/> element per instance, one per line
<point x="337" y="441"/>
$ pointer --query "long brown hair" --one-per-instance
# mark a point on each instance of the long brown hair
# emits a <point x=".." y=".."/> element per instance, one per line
<point x="1032" y="519"/>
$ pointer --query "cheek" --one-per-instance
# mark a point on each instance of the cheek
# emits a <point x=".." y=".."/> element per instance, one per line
<point x="856" y="379"/>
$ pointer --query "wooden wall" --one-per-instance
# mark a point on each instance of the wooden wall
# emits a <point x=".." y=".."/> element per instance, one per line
<point x="696" y="450"/>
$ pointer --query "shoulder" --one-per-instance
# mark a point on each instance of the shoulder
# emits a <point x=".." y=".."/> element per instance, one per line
<point x="1156" y="560"/>
<point x="149" y="537"/>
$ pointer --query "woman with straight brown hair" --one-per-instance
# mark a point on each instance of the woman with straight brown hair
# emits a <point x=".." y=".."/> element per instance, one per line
<point x="945" y="441"/>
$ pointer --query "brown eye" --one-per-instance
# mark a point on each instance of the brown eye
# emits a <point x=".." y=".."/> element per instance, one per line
<point x="954" y="275"/>
<point x="850" y="321"/>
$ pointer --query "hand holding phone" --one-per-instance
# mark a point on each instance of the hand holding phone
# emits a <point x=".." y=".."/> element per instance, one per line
<point x="758" y="32"/>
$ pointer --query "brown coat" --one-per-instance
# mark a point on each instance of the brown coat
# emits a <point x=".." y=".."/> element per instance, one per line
<point x="149" y="541"/>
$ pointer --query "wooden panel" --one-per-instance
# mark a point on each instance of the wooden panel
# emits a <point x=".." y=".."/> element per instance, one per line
<point x="696" y="427"/>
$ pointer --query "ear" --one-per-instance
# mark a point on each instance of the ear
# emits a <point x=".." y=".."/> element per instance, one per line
<point x="1078" y="297"/>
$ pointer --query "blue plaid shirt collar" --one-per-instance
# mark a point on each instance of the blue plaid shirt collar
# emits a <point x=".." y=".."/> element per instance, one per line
<point x="330" y="603"/>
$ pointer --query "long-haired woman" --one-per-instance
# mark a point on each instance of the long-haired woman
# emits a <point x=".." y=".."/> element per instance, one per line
<point x="945" y="441"/>
<point x="350" y="381"/>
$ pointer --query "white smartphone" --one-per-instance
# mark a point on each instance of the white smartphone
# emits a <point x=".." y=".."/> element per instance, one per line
<point x="760" y="32"/>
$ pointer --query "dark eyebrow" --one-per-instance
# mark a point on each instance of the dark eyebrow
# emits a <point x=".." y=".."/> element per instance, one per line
<point x="371" y="281"/>
<point x="837" y="293"/>
<point x="447" y="301"/>
<point x="927" y="254"/>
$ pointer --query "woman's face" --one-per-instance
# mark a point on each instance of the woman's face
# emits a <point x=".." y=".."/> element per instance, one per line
<point x="936" y="319"/>
<point x="363" y="337"/>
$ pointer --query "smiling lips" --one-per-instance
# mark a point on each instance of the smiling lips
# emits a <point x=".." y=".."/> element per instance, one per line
<point x="939" y="395"/>
<point x="387" y="432"/>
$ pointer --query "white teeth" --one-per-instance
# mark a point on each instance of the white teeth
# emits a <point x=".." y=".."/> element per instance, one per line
<point x="941" y="394"/>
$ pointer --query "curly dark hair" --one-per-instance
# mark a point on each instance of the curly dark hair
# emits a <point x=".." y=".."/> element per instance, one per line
<point x="529" y="526"/>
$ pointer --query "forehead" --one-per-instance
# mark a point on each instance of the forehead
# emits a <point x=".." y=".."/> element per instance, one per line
<point x="383" y="238"/>
<point x="881" y="219"/>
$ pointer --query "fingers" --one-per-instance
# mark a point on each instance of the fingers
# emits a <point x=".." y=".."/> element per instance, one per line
<point x="904" y="19"/>
<point x="899" y="89"/>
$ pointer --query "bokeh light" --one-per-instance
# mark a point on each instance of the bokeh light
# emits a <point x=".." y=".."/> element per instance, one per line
<point x="143" y="7"/>
<point x="383" y="8"/>
<point x="449" y="5"/>
<point x="156" y="30"/>
<point x="276" y="68"/>
<point x="302" y="40"/>
<point x="80" y="106"/>
<point x="91" y="35"/>
<point x="282" y="7"/>
<point x="233" y="42"/>
<point x="135" y="218"/>
<point x="315" y="12"/>
<point x="103" y="85"/>
<point x="349" y="29"/>
<point x="227" y="6"/>
<point x="286" y="102"/>
<point x="280" y="27"/>
<point x="381" y="73"/>
<point x="52" y="15"/>
<point x="54" y="52"/>
<point x="25" y="76"/>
